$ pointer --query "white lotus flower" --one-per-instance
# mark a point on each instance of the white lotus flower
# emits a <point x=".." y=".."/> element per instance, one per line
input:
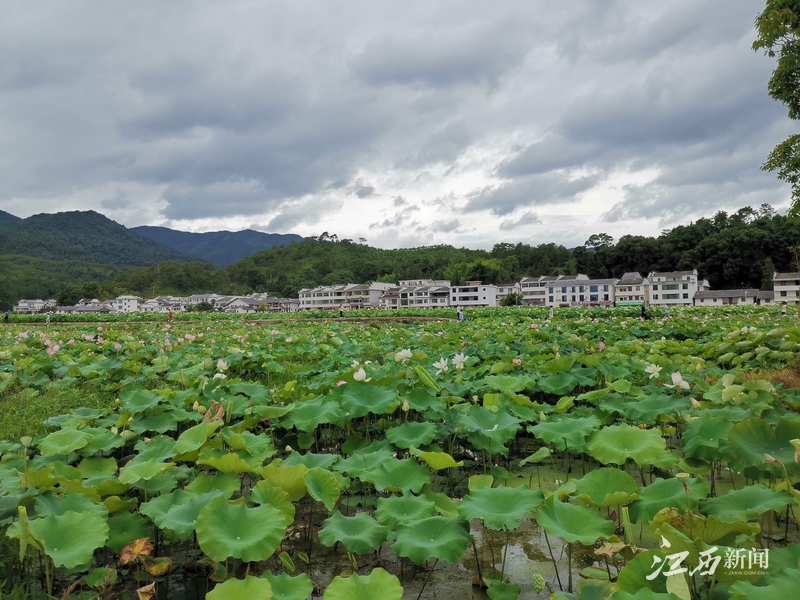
<point x="222" y="365"/>
<point x="654" y="371"/>
<point x="403" y="355"/>
<point x="678" y="382"/>
<point x="440" y="366"/>
<point x="361" y="375"/>
<point x="459" y="360"/>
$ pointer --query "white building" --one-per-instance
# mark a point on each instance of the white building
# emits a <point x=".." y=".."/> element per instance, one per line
<point x="675" y="287"/>
<point x="126" y="303"/>
<point x="786" y="286"/>
<point x="534" y="289"/>
<point x="504" y="289"/>
<point x="343" y="296"/>
<point x="473" y="293"/>
<point x="631" y="290"/>
<point x="34" y="306"/>
<point x="726" y="297"/>
<point x="424" y="293"/>
<point x="579" y="290"/>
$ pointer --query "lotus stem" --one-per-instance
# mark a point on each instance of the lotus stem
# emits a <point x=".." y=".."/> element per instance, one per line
<point x="505" y="555"/>
<point x="569" y="566"/>
<point x="422" y="589"/>
<point x="555" y="564"/>
<point x="478" y="561"/>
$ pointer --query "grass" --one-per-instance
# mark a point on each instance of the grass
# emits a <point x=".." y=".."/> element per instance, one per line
<point x="23" y="411"/>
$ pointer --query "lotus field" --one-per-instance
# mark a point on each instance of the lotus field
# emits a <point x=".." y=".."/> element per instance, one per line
<point x="594" y="455"/>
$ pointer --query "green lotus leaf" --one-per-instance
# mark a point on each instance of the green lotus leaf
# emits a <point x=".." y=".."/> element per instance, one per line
<point x="538" y="456"/>
<point x="178" y="511"/>
<point x="395" y="510"/>
<point x="649" y="409"/>
<point x="378" y="584"/>
<point x="322" y="486"/>
<point x="360" y="399"/>
<point x="289" y="478"/>
<point x="310" y="414"/>
<point x="226" y="530"/>
<point x="500" y="590"/>
<point x="746" y="504"/>
<point x="249" y="588"/>
<point x="227" y="462"/>
<point x="509" y="384"/>
<point x="399" y="476"/>
<point x="445" y="505"/>
<point x="63" y="442"/>
<point x="125" y="527"/>
<point x="557" y="383"/>
<point x="286" y="587"/>
<point x="161" y="422"/>
<point x="311" y="460"/>
<point x="228" y="483"/>
<point x="266" y="493"/>
<point x="137" y="400"/>
<point x="258" y="446"/>
<point x="70" y="539"/>
<point x="710" y="530"/>
<point x="361" y="463"/>
<point x="489" y="429"/>
<point x="633" y="580"/>
<point x="438" y="460"/>
<point x="254" y="391"/>
<point x="645" y="593"/>
<point x="359" y="534"/>
<point x="617" y="443"/>
<point x="96" y="467"/>
<point x="159" y="448"/>
<point x="607" y="487"/>
<point x="142" y="470"/>
<point x="500" y="507"/>
<point x="422" y="400"/>
<point x="784" y="585"/>
<point x="194" y="437"/>
<point x="412" y="433"/>
<point x="706" y="437"/>
<point x="434" y="537"/>
<point x="53" y="504"/>
<point x="573" y="523"/>
<point x="560" y="364"/>
<point x="752" y="439"/>
<point x="478" y="482"/>
<point x="568" y="433"/>
<point x="666" y="493"/>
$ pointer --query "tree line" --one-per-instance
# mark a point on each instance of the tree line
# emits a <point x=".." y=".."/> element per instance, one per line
<point x="732" y="251"/>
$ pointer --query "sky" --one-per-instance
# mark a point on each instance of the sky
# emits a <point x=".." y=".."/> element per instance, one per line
<point x="406" y="124"/>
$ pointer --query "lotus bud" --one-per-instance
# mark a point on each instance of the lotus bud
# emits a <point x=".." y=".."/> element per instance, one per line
<point x="128" y="434"/>
<point x="114" y="430"/>
<point x="405" y="405"/>
<point x="542" y="416"/>
<point x="770" y="458"/>
<point x="26" y="440"/>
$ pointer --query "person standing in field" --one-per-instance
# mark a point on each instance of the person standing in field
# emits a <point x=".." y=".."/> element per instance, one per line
<point x="783" y="310"/>
<point x="459" y="313"/>
<point x="47" y="320"/>
<point x="170" y="315"/>
<point x="5" y="317"/>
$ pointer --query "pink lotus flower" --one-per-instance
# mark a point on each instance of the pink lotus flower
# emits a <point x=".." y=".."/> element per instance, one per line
<point x="288" y="340"/>
<point x="517" y="361"/>
<point x="341" y="382"/>
<point x="274" y="332"/>
<point x="117" y="345"/>
<point x="600" y="346"/>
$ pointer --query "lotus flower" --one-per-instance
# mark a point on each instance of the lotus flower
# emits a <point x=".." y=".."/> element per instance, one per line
<point x="361" y="375"/>
<point x="458" y="361"/>
<point x="653" y="370"/>
<point x="440" y="366"/>
<point x="678" y="382"/>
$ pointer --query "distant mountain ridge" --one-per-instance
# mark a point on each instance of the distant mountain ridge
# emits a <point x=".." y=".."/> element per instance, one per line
<point x="84" y="236"/>
<point x="219" y="247"/>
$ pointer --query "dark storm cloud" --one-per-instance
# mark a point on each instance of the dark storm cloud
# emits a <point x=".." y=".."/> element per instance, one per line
<point x="533" y="190"/>
<point x="528" y="218"/>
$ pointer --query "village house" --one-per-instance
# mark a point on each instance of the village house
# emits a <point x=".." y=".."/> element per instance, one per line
<point x="787" y="287"/>
<point x="579" y="290"/>
<point x="725" y="297"/>
<point x="473" y="293"/>
<point x="675" y="288"/>
<point x="631" y="290"/>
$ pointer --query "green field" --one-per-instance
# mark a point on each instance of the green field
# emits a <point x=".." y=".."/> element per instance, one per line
<point x="370" y="457"/>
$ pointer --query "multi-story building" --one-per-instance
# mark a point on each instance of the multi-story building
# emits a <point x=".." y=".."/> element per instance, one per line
<point x="631" y="290"/>
<point x="34" y="306"/>
<point x="473" y="293"/>
<point x="675" y="287"/>
<point x="579" y="290"/>
<point x="504" y="289"/>
<point x="534" y="289"/>
<point x="423" y="293"/>
<point x="127" y="303"/>
<point x="786" y="286"/>
<point x="343" y="296"/>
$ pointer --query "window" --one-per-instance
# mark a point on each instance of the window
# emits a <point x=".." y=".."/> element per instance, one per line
<point x="655" y="287"/>
<point x="686" y="296"/>
<point x="670" y="296"/>
<point x="686" y="286"/>
<point x="669" y="286"/>
<point x="655" y="296"/>
<point x="593" y="288"/>
<point x="551" y="299"/>
<point x="783" y="293"/>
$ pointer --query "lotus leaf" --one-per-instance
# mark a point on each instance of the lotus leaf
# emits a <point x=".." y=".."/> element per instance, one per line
<point x="399" y="476"/>
<point x="396" y="510"/>
<point x="573" y="523"/>
<point x="159" y="448"/>
<point x="322" y="486"/>
<point x="607" y="487"/>
<point x="746" y="504"/>
<point x="286" y="587"/>
<point x="125" y="527"/>
<point x="227" y="462"/>
<point x="228" y="483"/>
<point x="194" y="437"/>
<point x="666" y="493"/>
<point x="63" y="442"/>
<point x="289" y="478"/>
<point x="378" y="584"/>
<point x="568" y="433"/>
<point x="137" y="400"/>
<point x="784" y="585"/>
<point x="227" y="530"/>
<point x="310" y="414"/>
<point x="142" y="470"/>
<point x="500" y="507"/>
<point x="361" y="463"/>
<point x="361" y="399"/>
<point x="439" y="460"/>
<point x="95" y="467"/>
<point x="70" y="539"/>
<point x="52" y="504"/>
<point x="752" y="439"/>
<point x="632" y="579"/>
<point x="478" y="482"/>
<point x="706" y="437"/>
<point x="266" y="493"/>
<point x="412" y="433"/>
<point x="359" y="534"/>
<point x="437" y="537"/>
<point x="558" y="383"/>
<point x="710" y="530"/>
<point x="500" y="590"/>
<point x="249" y="588"/>
<point x="617" y="443"/>
<point x="509" y="384"/>
<point x="311" y="460"/>
<point x="178" y="511"/>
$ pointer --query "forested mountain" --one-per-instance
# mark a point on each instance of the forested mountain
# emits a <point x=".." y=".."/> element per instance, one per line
<point x="732" y="251"/>
<point x="218" y="247"/>
<point x="83" y="236"/>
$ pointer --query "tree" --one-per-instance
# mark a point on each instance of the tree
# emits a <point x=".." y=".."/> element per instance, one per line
<point x="513" y="299"/>
<point x="599" y="240"/>
<point x="778" y="29"/>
